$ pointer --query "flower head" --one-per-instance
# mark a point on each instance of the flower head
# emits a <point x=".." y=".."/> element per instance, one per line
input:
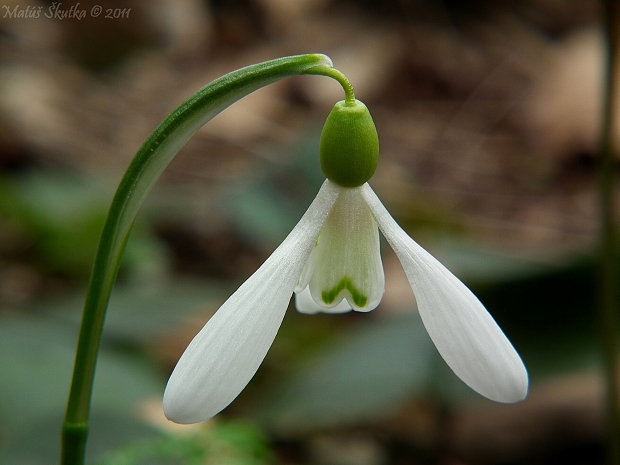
<point x="331" y="261"/>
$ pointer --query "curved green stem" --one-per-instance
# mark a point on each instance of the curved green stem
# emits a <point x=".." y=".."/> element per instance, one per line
<point x="338" y="76"/>
<point x="609" y="290"/>
<point x="148" y="164"/>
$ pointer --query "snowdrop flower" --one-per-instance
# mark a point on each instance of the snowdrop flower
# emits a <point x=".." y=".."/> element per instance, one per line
<point x="331" y="261"/>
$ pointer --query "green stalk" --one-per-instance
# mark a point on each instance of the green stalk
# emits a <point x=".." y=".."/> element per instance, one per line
<point x="148" y="164"/>
<point x="609" y="304"/>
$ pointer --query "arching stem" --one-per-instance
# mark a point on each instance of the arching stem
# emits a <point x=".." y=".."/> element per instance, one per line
<point x="609" y="291"/>
<point x="147" y="166"/>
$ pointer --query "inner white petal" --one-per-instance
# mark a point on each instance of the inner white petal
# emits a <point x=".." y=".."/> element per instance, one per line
<point x="345" y="264"/>
<point x="226" y="353"/>
<point x="306" y="304"/>
<point x="465" y="334"/>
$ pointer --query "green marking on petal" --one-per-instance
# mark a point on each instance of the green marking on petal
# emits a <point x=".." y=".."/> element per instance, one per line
<point x="345" y="283"/>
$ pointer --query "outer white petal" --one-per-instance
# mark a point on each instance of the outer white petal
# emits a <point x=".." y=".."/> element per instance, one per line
<point x="226" y="353"/>
<point x="306" y="304"/>
<point x="465" y="334"/>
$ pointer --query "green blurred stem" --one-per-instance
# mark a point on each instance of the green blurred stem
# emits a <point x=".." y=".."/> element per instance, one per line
<point x="148" y="164"/>
<point x="609" y="291"/>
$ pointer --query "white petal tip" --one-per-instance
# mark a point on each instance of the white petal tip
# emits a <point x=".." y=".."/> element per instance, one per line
<point x="184" y="417"/>
<point x="180" y="407"/>
<point x="180" y="417"/>
<point x="516" y="391"/>
<point x="507" y="382"/>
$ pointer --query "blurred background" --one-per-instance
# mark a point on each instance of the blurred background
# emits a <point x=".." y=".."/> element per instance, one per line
<point x="488" y="115"/>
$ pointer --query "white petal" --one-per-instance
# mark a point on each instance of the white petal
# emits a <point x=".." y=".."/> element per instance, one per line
<point x="226" y="353"/>
<point x="346" y="261"/>
<point x="465" y="334"/>
<point x="306" y="304"/>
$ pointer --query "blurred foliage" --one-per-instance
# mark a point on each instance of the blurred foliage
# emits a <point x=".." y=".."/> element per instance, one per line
<point x="56" y="218"/>
<point x="140" y="313"/>
<point x="36" y="360"/>
<point x="368" y="371"/>
<point x="36" y="355"/>
<point x="230" y="443"/>
<point x="265" y="207"/>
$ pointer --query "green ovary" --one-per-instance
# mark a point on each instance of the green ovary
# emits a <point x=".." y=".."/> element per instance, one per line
<point x="345" y="283"/>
